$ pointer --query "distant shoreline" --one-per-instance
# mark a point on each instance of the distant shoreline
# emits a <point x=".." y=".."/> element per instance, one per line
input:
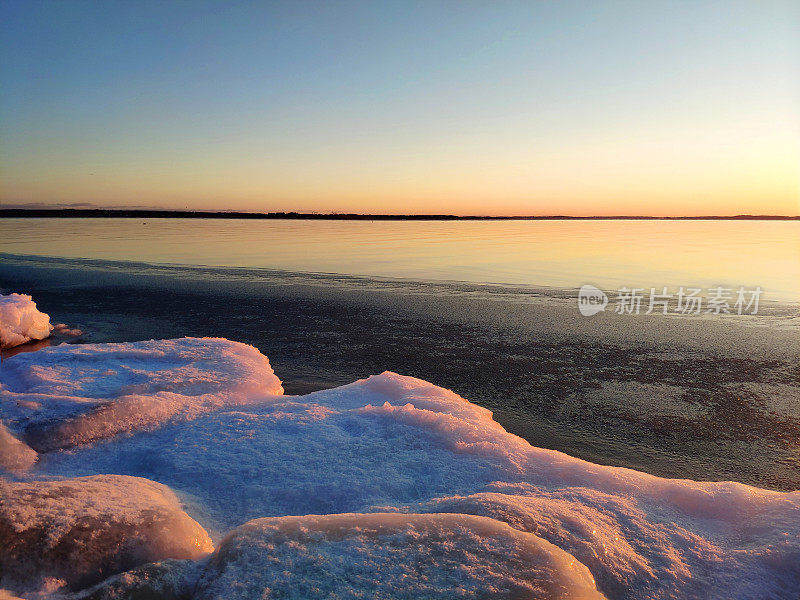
<point x="99" y="213"/>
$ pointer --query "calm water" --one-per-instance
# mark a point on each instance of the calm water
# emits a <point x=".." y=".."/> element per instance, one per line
<point x="678" y="397"/>
<point x="563" y="254"/>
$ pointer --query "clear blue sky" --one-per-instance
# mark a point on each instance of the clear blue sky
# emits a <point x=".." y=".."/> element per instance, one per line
<point x="463" y="107"/>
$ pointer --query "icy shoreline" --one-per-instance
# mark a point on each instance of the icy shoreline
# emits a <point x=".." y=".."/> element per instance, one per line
<point x="697" y="399"/>
<point x="207" y="418"/>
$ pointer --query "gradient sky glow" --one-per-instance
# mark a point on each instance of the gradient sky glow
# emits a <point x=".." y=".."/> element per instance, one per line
<point x="668" y="108"/>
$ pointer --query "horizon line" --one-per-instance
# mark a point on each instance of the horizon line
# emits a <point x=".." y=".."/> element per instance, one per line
<point x="234" y="214"/>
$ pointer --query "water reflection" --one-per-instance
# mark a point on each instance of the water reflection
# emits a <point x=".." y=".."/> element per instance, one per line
<point x="564" y="254"/>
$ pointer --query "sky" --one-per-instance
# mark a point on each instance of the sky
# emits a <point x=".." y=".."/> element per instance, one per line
<point x="501" y="108"/>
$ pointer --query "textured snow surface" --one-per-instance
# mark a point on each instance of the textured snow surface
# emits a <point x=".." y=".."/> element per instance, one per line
<point x="375" y="555"/>
<point x="397" y="462"/>
<point x="14" y="454"/>
<point x="21" y="321"/>
<point x="73" y="533"/>
<point x="73" y="394"/>
<point x="169" y="579"/>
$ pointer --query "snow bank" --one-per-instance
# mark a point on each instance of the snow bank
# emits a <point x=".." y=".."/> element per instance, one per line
<point x="384" y="444"/>
<point x="613" y="536"/>
<point x="20" y="321"/>
<point x="390" y="556"/>
<point x="637" y="550"/>
<point x="68" y="395"/>
<point x="641" y="536"/>
<point x="75" y="532"/>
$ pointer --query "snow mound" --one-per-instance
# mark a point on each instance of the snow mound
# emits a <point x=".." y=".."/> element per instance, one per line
<point x="613" y="536"/>
<point x="641" y="536"/>
<point x="636" y="550"/>
<point x="390" y="556"/>
<point x="14" y="454"/>
<point x="21" y="321"/>
<point x="386" y="444"/>
<point x="74" y="394"/>
<point x="73" y="533"/>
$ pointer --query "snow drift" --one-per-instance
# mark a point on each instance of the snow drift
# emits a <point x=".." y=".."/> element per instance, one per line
<point x="397" y="462"/>
<point x="69" y="534"/>
<point x="67" y="395"/>
<point x="376" y="555"/>
<point x="21" y="321"/>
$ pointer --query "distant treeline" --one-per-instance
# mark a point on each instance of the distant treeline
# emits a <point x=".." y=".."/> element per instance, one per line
<point x="97" y="213"/>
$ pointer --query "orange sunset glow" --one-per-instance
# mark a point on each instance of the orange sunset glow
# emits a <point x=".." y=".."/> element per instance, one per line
<point x="681" y="110"/>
